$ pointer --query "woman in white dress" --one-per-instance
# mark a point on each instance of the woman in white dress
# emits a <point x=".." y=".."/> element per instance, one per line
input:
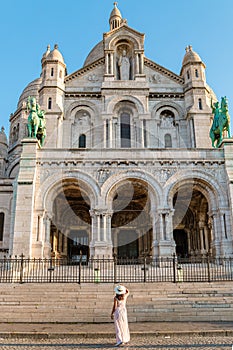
<point x="119" y="314"/>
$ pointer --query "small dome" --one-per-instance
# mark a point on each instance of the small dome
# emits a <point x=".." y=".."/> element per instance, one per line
<point x="115" y="19"/>
<point x="115" y="12"/>
<point x="30" y="90"/>
<point x="45" y="55"/>
<point x="190" y="56"/>
<point x="55" y="54"/>
<point x="3" y="138"/>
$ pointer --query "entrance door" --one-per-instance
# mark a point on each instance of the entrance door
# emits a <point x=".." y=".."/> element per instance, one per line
<point x="78" y="245"/>
<point x="127" y="244"/>
<point x="181" y="239"/>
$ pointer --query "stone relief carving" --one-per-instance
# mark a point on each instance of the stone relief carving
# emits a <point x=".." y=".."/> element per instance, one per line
<point x="155" y="79"/>
<point x="102" y="175"/>
<point x="44" y="175"/>
<point x="93" y="77"/>
<point x="167" y="122"/>
<point x="164" y="174"/>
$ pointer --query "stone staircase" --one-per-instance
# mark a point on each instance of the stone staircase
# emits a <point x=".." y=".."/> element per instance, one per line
<point x="72" y="303"/>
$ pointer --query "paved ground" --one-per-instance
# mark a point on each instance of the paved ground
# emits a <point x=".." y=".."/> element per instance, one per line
<point x="137" y="342"/>
<point x="107" y="329"/>
<point x="147" y="336"/>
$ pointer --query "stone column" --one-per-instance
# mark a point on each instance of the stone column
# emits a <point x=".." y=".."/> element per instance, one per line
<point x="109" y="66"/>
<point x="100" y="246"/>
<point x="111" y="63"/>
<point x="47" y="244"/>
<point x="215" y="244"/>
<point x="155" y="238"/>
<point x="37" y="239"/>
<point x="206" y="238"/>
<point x="110" y="132"/>
<point x="166" y="242"/>
<point x="137" y="64"/>
<point x="106" y="63"/>
<point x="105" y="134"/>
<point x="201" y="231"/>
<point x="141" y="63"/>
<point x="139" y="69"/>
<point x="142" y="134"/>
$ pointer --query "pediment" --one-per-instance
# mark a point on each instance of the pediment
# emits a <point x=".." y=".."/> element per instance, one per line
<point x="158" y="75"/>
<point x="123" y="33"/>
<point x="123" y="29"/>
<point x="90" y="75"/>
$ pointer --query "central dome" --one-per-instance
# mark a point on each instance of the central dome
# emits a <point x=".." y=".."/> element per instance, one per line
<point x="96" y="53"/>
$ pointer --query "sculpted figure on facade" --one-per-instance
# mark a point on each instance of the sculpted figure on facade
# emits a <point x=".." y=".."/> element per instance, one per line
<point x="36" y="121"/>
<point x="124" y="66"/>
<point x="221" y="122"/>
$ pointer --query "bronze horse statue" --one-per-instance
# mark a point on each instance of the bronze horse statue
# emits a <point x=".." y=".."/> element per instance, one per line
<point x="36" y="121"/>
<point x="221" y="122"/>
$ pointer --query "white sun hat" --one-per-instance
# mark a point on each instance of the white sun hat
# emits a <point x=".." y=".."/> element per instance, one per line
<point x="120" y="289"/>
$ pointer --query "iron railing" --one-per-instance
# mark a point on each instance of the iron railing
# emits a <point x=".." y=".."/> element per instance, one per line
<point x="115" y="270"/>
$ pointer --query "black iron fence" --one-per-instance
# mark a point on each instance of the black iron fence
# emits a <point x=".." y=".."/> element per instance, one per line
<point x="206" y="269"/>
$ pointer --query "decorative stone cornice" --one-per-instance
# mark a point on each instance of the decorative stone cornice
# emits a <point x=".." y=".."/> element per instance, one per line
<point x="168" y="95"/>
<point x="83" y="94"/>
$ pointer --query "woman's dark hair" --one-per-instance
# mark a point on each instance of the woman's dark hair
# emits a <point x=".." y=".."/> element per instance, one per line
<point x="120" y="296"/>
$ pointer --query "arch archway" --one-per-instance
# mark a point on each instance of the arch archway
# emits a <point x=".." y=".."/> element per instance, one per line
<point x="70" y="233"/>
<point x="132" y="222"/>
<point x="191" y="223"/>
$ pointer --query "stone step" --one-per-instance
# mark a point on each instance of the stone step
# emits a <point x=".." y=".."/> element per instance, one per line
<point x="93" y="302"/>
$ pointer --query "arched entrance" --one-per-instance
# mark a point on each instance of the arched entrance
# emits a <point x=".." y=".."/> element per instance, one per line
<point x="181" y="241"/>
<point x="131" y="221"/>
<point x="71" y="225"/>
<point x="191" y="225"/>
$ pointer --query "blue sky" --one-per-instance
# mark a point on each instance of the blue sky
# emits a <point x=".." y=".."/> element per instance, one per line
<point x="77" y="25"/>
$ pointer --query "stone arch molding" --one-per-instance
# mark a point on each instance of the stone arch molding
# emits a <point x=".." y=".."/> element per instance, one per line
<point x="206" y="183"/>
<point x="72" y="109"/>
<point x="52" y="185"/>
<point x="177" y="109"/>
<point x="12" y="167"/>
<point x="128" y="38"/>
<point x="117" y="100"/>
<point x="155" y="189"/>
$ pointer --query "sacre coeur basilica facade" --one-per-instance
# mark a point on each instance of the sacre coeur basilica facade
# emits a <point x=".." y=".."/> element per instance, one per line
<point x="127" y="166"/>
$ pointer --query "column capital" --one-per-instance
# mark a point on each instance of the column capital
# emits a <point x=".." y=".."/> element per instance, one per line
<point x="166" y="211"/>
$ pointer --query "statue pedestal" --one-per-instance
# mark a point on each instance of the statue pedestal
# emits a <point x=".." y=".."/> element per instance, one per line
<point x="24" y="203"/>
<point x="101" y="249"/>
<point x="140" y="77"/>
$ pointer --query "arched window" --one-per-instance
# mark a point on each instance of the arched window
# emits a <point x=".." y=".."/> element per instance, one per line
<point x="50" y="103"/>
<point x="17" y="131"/>
<point x="200" y="103"/>
<point x="60" y="74"/>
<point x="196" y="73"/>
<point x="168" y="141"/>
<point x="14" y="134"/>
<point x="2" y="216"/>
<point x="107" y="132"/>
<point x="188" y="75"/>
<point x="125" y="131"/>
<point x="82" y="141"/>
<point x="52" y="72"/>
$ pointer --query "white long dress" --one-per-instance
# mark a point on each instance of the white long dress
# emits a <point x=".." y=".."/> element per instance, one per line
<point x="121" y="322"/>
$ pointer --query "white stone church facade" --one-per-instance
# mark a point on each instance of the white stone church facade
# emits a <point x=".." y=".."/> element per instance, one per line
<point x="127" y="167"/>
